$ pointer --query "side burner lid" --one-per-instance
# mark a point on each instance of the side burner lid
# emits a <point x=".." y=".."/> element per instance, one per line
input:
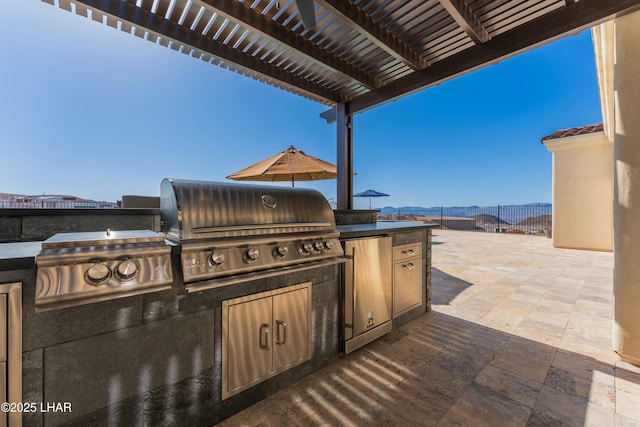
<point x="101" y="238"/>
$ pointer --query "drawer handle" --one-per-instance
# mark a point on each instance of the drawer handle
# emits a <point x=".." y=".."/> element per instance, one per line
<point x="408" y="252"/>
<point x="409" y="266"/>
<point x="355" y="288"/>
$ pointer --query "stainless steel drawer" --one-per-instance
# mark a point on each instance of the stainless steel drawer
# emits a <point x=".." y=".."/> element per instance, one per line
<point x="407" y="251"/>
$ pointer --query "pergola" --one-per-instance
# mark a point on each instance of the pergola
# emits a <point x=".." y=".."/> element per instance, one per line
<point x="360" y="54"/>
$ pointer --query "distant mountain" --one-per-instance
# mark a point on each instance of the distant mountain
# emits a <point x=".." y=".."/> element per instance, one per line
<point x="488" y="219"/>
<point x="542" y="220"/>
<point x="512" y="214"/>
<point x="411" y="210"/>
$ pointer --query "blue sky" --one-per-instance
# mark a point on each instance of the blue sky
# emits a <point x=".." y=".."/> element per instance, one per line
<point x="93" y="112"/>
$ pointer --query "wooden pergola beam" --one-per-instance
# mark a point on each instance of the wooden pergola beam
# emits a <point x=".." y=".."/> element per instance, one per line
<point x="263" y="25"/>
<point x="161" y="27"/>
<point x="466" y="19"/>
<point x="374" y="32"/>
<point x="571" y="19"/>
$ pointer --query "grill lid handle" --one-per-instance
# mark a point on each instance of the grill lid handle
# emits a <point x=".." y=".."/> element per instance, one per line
<point x="318" y="225"/>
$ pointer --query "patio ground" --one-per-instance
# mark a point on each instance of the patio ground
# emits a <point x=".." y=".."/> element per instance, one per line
<point x="519" y="335"/>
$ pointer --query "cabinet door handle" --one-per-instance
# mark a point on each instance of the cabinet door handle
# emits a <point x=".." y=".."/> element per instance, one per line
<point x="409" y="266"/>
<point x="355" y="286"/>
<point x="284" y="333"/>
<point x="408" y="252"/>
<point x="264" y="336"/>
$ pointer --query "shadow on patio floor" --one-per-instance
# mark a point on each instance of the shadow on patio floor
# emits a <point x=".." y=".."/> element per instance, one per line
<point x="440" y="370"/>
<point x="447" y="294"/>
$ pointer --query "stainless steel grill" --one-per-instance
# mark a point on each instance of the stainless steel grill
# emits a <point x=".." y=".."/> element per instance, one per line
<point x="230" y="233"/>
<point x="80" y="268"/>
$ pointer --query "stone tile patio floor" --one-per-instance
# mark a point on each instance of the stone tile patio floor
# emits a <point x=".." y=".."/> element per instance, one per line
<point x="519" y="335"/>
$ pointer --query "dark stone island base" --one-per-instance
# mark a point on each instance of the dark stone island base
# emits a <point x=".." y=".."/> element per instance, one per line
<point x="152" y="359"/>
<point x="155" y="359"/>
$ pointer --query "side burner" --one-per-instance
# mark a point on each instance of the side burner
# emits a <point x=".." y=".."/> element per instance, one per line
<point x="81" y="268"/>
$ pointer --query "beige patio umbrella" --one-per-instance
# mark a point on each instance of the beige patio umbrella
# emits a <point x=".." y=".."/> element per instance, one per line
<point x="291" y="164"/>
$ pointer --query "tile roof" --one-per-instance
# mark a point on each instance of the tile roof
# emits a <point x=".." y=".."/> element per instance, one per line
<point x="582" y="130"/>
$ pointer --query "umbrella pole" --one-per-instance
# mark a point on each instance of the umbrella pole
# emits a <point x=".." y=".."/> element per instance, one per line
<point x="293" y="181"/>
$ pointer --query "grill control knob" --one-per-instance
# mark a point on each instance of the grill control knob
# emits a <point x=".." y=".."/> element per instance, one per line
<point x="97" y="273"/>
<point x="328" y="244"/>
<point x="252" y="254"/>
<point x="126" y="270"/>
<point x="216" y="258"/>
<point x="318" y="246"/>
<point x="306" y="248"/>
<point x="282" y="251"/>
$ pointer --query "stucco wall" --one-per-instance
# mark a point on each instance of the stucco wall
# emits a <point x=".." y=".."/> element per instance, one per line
<point x="582" y="192"/>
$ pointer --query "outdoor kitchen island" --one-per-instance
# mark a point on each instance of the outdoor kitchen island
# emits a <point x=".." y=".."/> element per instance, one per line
<point x="156" y="358"/>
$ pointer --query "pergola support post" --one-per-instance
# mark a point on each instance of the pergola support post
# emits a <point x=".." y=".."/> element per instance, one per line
<point x="344" y="145"/>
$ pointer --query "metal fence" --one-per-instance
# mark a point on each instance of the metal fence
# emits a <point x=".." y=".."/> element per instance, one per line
<point x="532" y="218"/>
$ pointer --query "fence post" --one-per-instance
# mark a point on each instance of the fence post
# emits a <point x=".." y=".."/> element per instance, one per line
<point x="499" y="226"/>
<point x="441" y="216"/>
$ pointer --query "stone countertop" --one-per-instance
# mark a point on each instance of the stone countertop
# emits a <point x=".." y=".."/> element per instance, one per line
<point x="380" y="228"/>
<point x="15" y="256"/>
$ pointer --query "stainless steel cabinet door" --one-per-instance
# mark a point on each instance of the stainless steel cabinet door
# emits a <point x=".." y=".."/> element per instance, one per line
<point x="291" y="336"/>
<point x="368" y="283"/>
<point x="263" y="335"/>
<point x="407" y="277"/>
<point x="3" y="328"/>
<point x="407" y="285"/>
<point x="3" y="356"/>
<point x="249" y="341"/>
<point x="11" y="350"/>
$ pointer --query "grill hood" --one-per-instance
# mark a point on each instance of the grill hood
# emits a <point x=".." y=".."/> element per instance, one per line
<point x="199" y="210"/>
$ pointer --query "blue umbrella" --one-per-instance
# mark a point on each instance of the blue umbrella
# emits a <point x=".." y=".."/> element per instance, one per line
<point x="370" y="194"/>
